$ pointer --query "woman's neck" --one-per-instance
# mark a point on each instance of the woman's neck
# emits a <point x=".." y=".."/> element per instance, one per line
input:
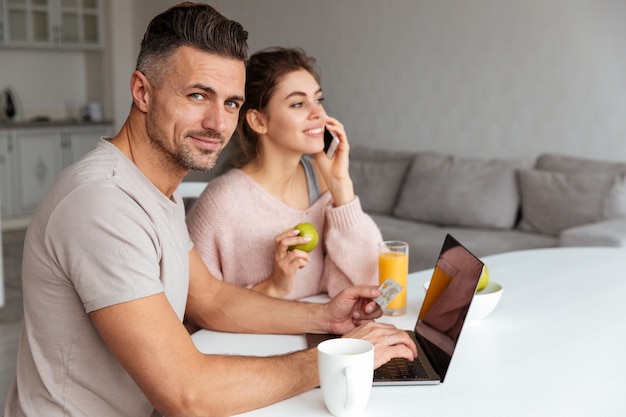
<point x="284" y="178"/>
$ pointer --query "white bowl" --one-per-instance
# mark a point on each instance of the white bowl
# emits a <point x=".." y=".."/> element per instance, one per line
<point x="484" y="302"/>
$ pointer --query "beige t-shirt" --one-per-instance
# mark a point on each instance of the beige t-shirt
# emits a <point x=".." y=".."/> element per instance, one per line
<point x="103" y="235"/>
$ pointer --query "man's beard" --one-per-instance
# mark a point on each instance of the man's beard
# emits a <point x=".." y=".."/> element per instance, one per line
<point x="184" y="155"/>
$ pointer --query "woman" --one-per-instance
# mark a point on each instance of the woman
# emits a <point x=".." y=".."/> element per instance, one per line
<point x="243" y="223"/>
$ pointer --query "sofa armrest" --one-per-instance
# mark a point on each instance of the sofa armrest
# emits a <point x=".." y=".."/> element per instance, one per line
<point x="603" y="233"/>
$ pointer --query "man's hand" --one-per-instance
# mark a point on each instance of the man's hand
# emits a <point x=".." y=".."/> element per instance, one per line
<point x="352" y="307"/>
<point x="352" y="313"/>
<point x="389" y="342"/>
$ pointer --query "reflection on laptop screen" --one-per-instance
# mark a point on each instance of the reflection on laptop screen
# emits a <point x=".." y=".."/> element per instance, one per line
<point x="447" y="302"/>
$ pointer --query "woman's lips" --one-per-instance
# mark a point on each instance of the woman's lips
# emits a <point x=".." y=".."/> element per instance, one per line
<point x="317" y="131"/>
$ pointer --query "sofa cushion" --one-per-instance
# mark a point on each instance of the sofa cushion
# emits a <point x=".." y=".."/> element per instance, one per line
<point x="614" y="202"/>
<point x="565" y="163"/>
<point x="554" y="201"/>
<point x="425" y="239"/>
<point x="604" y="233"/>
<point x="377" y="176"/>
<point x="455" y="191"/>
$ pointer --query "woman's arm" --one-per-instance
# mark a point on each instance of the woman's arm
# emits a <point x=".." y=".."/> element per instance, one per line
<point x="351" y="244"/>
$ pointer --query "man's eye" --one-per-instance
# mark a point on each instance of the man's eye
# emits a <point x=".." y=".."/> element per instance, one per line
<point x="196" y="96"/>
<point x="232" y="105"/>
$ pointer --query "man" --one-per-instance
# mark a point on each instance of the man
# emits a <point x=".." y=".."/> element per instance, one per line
<point x="109" y="270"/>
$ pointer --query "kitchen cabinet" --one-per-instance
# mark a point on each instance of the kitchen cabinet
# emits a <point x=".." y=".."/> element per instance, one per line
<point x="1" y="264"/>
<point x="72" y="24"/>
<point x="40" y="154"/>
<point x="78" y="141"/>
<point x="39" y="161"/>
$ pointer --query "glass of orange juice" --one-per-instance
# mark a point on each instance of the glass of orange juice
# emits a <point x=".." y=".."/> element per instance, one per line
<point x="393" y="262"/>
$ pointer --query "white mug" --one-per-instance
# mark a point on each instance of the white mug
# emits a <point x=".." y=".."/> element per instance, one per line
<point x="346" y="369"/>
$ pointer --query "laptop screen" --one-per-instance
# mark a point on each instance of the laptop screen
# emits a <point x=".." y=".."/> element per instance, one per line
<point x="447" y="302"/>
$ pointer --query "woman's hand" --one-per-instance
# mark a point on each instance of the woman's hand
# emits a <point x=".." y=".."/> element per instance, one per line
<point x="335" y="170"/>
<point x="286" y="264"/>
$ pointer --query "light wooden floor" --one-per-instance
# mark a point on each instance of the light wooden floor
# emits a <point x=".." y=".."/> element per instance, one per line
<point x="11" y="313"/>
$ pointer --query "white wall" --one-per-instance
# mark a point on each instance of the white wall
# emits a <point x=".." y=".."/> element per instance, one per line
<point x="46" y="83"/>
<point x="121" y="55"/>
<point x="472" y="77"/>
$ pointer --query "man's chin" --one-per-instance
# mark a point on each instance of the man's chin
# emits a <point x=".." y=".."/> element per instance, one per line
<point x="206" y="162"/>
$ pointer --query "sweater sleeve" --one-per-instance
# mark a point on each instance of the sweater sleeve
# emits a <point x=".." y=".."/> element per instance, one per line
<point x="351" y="247"/>
<point x="233" y="230"/>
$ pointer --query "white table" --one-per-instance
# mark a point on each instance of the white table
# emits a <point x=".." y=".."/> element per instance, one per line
<point x="554" y="346"/>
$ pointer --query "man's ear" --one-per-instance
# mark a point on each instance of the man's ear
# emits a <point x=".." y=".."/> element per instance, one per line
<point x="256" y="121"/>
<point x="140" y="89"/>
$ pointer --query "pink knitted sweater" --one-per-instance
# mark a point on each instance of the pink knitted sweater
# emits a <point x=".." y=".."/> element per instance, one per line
<point x="234" y="222"/>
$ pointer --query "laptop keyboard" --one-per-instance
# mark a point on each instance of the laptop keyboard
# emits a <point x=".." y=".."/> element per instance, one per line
<point x="399" y="368"/>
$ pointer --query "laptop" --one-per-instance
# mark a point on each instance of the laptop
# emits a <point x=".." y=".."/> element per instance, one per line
<point x="439" y="323"/>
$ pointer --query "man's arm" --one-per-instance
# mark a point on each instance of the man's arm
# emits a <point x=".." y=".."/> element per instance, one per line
<point x="148" y="339"/>
<point x="154" y="347"/>
<point x="215" y="305"/>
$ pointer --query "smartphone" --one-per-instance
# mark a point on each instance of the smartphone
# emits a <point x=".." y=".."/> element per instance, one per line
<point x="330" y="143"/>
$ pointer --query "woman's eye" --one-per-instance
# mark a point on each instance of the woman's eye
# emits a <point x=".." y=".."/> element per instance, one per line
<point x="297" y="105"/>
<point x="320" y="100"/>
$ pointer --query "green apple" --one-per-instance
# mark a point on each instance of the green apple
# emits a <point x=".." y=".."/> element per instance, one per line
<point x="306" y="230"/>
<point x="484" y="279"/>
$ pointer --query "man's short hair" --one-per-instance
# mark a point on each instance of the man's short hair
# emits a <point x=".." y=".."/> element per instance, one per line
<point x="189" y="24"/>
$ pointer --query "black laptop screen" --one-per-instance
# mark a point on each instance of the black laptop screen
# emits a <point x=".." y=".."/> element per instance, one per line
<point x="447" y="302"/>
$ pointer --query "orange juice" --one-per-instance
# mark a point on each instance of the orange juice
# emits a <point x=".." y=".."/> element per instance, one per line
<point x="394" y="265"/>
<point x="438" y="283"/>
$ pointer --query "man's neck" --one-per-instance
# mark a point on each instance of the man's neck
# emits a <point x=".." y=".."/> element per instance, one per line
<point x="133" y="141"/>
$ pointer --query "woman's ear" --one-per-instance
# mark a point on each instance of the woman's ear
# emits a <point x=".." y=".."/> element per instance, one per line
<point x="256" y="121"/>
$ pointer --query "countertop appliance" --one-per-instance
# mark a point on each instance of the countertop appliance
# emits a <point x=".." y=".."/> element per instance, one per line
<point x="9" y="105"/>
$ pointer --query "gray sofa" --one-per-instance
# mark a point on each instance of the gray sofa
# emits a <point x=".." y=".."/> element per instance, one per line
<point x="490" y="205"/>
